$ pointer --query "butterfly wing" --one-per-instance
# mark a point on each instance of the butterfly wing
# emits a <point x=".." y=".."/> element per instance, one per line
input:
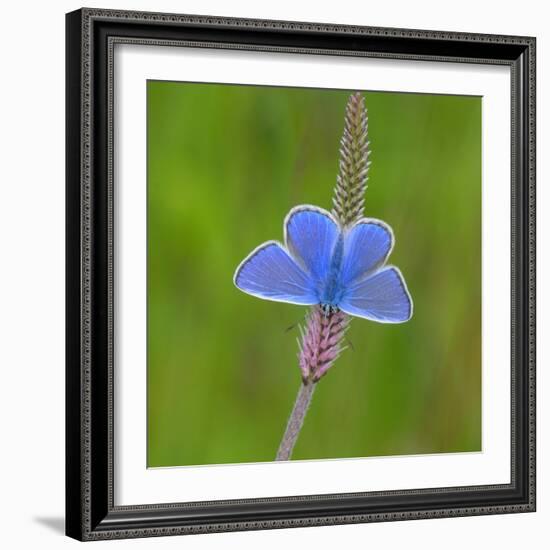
<point x="367" y="246"/>
<point x="310" y="236"/>
<point x="269" y="272"/>
<point x="382" y="296"/>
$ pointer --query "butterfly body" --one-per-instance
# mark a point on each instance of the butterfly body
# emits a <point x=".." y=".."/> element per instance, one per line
<point x="330" y="291"/>
<point x="322" y="263"/>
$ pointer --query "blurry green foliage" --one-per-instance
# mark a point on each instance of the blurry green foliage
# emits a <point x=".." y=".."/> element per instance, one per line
<point x="225" y="164"/>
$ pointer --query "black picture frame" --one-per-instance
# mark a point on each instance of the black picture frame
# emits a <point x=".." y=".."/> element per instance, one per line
<point x="90" y="510"/>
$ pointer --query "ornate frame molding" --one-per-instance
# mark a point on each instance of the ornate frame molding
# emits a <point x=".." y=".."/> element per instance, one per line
<point x="91" y="36"/>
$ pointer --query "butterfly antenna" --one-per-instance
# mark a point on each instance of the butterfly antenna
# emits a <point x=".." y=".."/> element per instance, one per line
<point x="290" y="327"/>
<point x="349" y="343"/>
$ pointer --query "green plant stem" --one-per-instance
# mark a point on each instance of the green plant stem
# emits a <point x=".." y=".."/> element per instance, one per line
<point x="296" y="420"/>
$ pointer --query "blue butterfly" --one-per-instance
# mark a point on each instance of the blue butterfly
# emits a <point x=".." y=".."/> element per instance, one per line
<point x="323" y="263"/>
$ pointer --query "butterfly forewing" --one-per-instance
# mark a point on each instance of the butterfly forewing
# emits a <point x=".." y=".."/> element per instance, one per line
<point x="382" y="296"/>
<point x="269" y="272"/>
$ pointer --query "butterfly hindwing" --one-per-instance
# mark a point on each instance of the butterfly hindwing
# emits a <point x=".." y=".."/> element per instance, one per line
<point x="269" y="272"/>
<point x="310" y="236"/>
<point x="367" y="245"/>
<point x="382" y="296"/>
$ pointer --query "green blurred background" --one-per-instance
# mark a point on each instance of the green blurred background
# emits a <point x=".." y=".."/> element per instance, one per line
<point x="225" y="165"/>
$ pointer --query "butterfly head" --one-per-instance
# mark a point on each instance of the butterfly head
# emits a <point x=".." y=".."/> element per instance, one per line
<point x="329" y="309"/>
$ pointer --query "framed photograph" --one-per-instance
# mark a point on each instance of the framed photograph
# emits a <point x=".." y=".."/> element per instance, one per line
<point x="300" y="274"/>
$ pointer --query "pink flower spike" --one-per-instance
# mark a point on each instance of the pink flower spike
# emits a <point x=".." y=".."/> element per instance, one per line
<point x="321" y="342"/>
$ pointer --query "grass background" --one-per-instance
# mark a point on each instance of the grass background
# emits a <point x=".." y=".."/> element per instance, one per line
<point x="225" y="164"/>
